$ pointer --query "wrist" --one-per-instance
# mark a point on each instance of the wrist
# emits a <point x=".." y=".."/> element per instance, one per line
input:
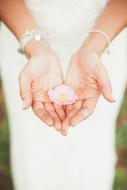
<point x="95" y="43"/>
<point x="35" y="48"/>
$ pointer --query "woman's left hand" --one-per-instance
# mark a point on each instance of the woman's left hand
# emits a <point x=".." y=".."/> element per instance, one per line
<point x="88" y="76"/>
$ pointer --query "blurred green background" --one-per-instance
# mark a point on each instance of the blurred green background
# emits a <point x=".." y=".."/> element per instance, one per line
<point x="120" y="180"/>
<point x="5" y="176"/>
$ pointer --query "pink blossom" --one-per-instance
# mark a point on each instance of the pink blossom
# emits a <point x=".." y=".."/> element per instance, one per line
<point x="62" y="95"/>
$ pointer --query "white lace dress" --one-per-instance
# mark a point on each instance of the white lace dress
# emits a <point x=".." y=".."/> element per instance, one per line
<point x="41" y="158"/>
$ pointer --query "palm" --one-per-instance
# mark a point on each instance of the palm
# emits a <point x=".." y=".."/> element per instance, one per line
<point x="82" y="76"/>
<point x="43" y="75"/>
<point x="40" y="74"/>
<point x="88" y="76"/>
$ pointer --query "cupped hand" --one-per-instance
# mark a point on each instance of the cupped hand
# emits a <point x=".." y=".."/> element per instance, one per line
<point x="88" y="76"/>
<point x="41" y="73"/>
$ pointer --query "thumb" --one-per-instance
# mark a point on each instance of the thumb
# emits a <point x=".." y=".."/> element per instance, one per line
<point x="25" y="92"/>
<point x="105" y="85"/>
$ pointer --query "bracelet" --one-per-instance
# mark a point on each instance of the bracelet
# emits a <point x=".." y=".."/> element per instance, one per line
<point x="104" y="35"/>
<point x="29" y="35"/>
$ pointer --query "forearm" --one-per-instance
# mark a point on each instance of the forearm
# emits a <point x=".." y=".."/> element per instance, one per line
<point x="17" y="17"/>
<point x="112" y="20"/>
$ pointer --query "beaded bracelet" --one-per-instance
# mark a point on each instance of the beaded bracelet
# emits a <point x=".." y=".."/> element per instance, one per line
<point x="29" y="35"/>
<point x="104" y="35"/>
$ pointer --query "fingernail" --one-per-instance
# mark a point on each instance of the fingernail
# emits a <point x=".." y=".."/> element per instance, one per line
<point x="65" y="130"/>
<point x="23" y="104"/>
<point x="57" y="128"/>
<point x="64" y="133"/>
<point x="51" y="123"/>
<point x="113" y="99"/>
<point x="73" y="124"/>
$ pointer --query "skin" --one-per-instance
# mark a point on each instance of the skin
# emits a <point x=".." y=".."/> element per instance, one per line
<point x="41" y="73"/>
<point x="40" y="58"/>
<point x="91" y="76"/>
<point x="90" y="81"/>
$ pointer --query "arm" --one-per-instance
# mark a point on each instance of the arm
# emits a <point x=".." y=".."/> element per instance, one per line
<point x="36" y="78"/>
<point x="14" y="13"/>
<point x="17" y="17"/>
<point x="112" y="20"/>
<point x="90" y="76"/>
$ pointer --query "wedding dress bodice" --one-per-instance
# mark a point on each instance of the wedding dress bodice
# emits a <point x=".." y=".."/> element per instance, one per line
<point x="65" y="23"/>
<point x="64" y="18"/>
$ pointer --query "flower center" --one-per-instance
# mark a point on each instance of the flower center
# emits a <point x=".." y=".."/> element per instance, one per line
<point x="63" y="97"/>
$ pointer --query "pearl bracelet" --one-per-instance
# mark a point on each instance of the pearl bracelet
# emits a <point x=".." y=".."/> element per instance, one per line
<point x="104" y="35"/>
<point x="33" y="34"/>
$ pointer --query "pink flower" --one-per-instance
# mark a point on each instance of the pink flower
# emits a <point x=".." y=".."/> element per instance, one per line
<point x="62" y="95"/>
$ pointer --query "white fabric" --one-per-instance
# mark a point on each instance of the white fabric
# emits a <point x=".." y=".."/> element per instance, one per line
<point x="41" y="158"/>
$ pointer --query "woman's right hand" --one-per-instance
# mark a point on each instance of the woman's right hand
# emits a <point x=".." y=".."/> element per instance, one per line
<point x="41" y="73"/>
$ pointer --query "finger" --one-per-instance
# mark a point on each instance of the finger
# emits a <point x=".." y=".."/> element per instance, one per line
<point x="39" y="110"/>
<point x="88" y="107"/>
<point x="25" y="91"/>
<point x="71" y="111"/>
<point x="60" y="111"/>
<point x="51" y="111"/>
<point x="69" y="108"/>
<point x="105" y="85"/>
